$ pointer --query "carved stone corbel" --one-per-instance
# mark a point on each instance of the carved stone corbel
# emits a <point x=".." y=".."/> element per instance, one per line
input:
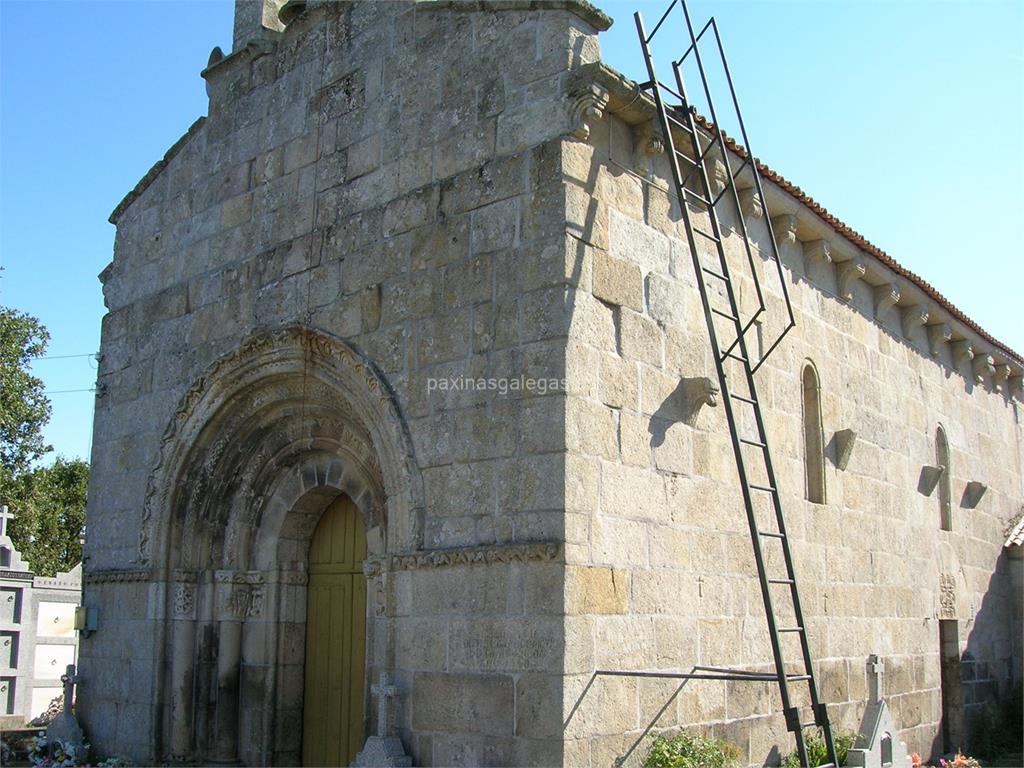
<point x="587" y="106"/>
<point x="962" y="352"/>
<point x="844" y="440"/>
<point x="913" y="317"/>
<point x="818" y="250"/>
<point x="984" y="366"/>
<point x="750" y="203"/>
<point x="938" y="335"/>
<point x="696" y="393"/>
<point x="647" y="143"/>
<point x="718" y="175"/>
<point x="1002" y="376"/>
<point x="929" y="479"/>
<point x="784" y="227"/>
<point x="886" y="296"/>
<point x="847" y="274"/>
<point x="973" y="493"/>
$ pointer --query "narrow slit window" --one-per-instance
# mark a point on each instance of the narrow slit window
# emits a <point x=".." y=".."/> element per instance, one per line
<point x="814" y="441"/>
<point x="945" y="484"/>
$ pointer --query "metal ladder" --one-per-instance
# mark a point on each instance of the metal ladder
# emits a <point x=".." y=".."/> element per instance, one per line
<point x="734" y="365"/>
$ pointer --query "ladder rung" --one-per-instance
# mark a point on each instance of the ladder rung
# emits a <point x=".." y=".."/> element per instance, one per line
<point x="708" y="235"/>
<point x="703" y="199"/>
<point x="791" y="629"/>
<point x="685" y="157"/>
<point x="734" y="356"/>
<point x="726" y="315"/>
<point x="719" y="275"/>
<point x="766" y="488"/>
<point x="743" y="399"/>
<point x="811" y="724"/>
<point x="781" y="581"/>
<point x="797" y="678"/>
<point x="680" y="123"/>
<point x="772" y="534"/>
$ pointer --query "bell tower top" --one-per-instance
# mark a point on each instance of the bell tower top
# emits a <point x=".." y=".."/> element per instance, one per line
<point x="252" y="17"/>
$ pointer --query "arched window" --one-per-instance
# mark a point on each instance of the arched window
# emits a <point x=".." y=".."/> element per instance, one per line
<point x="945" y="482"/>
<point x="814" y="439"/>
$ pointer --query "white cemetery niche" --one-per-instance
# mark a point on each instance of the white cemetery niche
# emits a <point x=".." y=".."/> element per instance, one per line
<point x="51" y="660"/>
<point x="56" y="620"/>
<point x="6" y="695"/>
<point x="9" y="650"/>
<point x="41" y="698"/>
<point x="10" y="605"/>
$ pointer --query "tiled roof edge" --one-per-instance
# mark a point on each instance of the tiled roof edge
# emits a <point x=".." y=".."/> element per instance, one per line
<point x="637" y="101"/>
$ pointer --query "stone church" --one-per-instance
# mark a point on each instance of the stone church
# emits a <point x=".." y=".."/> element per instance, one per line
<point x="407" y="424"/>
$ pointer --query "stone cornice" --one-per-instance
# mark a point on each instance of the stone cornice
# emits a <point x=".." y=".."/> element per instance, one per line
<point x="539" y="551"/>
<point x="590" y="13"/>
<point x="790" y="209"/>
<point x="116" y="575"/>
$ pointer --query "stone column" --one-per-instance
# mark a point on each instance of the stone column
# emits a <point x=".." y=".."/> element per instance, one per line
<point x="183" y="619"/>
<point x="239" y="595"/>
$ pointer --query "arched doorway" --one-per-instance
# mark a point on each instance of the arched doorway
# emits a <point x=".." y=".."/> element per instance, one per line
<point x="335" y="674"/>
<point x="290" y="425"/>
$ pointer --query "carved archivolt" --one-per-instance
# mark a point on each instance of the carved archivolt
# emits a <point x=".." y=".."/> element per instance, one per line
<point x="252" y="414"/>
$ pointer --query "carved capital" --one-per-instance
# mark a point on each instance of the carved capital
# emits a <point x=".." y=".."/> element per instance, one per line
<point x="587" y="106"/>
<point x="239" y="594"/>
<point x="784" y="228"/>
<point x="818" y="250"/>
<point x="848" y="273"/>
<point x="750" y="203"/>
<point x="938" y="336"/>
<point x="983" y="367"/>
<point x="913" y="317"/>
<point x="183" y="601"/>
<point x="962" y="352"/>
<point x="886" y="296"/>
<point x="647" y="143"/>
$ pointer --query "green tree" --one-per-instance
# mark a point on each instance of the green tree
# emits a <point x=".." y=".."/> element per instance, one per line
<point x="49" y="515"/>
<point x="48" y="502"/>
<point x="24" y="407"/>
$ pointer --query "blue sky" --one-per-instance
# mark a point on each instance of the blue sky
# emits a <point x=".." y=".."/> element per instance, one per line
<point x="903" y="118"/>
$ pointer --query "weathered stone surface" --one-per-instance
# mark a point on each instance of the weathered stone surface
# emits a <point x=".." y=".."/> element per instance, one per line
<point x="618" y="282"/>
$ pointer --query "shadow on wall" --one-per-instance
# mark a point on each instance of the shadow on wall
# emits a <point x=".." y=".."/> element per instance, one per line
<point x="981" y="685"/>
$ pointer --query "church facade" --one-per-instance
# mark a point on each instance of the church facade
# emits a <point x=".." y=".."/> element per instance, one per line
<point x="391" y="389"/>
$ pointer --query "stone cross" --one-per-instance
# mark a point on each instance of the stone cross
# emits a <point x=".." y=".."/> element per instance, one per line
<point x="5" y="515"/>
<point x="385" y="690"/>
<point x="875" y="669"/>
<point x="69" y="678"/>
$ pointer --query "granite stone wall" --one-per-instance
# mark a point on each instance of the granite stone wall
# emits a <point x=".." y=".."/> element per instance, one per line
<point x="418" y="208"/>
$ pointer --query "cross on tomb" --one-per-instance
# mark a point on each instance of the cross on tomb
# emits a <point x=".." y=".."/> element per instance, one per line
<point x="384" y="691"/>
<point x="5" y="515"/>
<point x="69" y="678"/>
<point x="875" y="670"/>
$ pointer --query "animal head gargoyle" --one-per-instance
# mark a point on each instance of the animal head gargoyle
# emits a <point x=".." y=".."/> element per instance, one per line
<point x="696" y="392"/>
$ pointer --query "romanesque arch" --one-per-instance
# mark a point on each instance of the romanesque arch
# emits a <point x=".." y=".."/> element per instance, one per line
<point x="260" y="445"/>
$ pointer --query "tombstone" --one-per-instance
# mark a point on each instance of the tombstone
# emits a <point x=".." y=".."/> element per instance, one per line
<point x="64" y="727"/>
<point x="383" y="750"/>
<point x="877" y="744"/>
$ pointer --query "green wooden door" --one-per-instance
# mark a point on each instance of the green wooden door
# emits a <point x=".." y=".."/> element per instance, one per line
<point x="332" y="718"/>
